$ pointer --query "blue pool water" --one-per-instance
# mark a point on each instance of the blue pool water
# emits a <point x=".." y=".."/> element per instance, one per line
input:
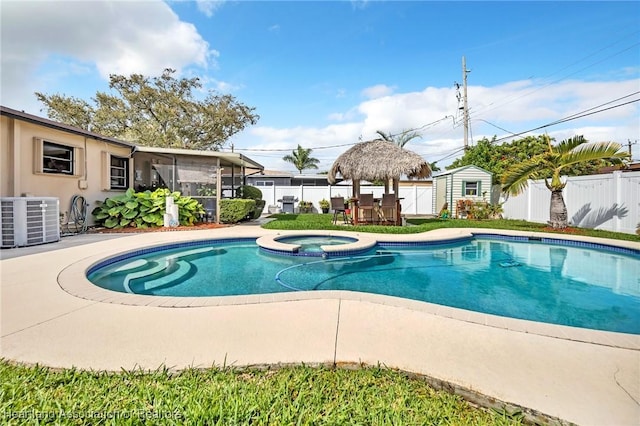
<point x="568" y="285"/>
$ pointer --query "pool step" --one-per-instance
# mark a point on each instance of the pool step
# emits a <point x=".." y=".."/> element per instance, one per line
<point x="181" y="270"/>
<point x="160" y="266"/>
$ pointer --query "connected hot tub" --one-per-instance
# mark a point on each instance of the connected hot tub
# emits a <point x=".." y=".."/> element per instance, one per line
<point x="316" y="245"/>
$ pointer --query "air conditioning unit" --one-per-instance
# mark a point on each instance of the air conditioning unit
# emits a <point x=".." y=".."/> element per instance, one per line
<point x="27" y="221"/>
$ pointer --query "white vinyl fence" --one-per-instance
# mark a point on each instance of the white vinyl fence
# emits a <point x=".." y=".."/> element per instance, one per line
<point x="608" y="201"/>
<point x="416" y="200"/>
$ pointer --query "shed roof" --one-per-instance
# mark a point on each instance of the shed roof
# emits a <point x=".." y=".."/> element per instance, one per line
<point x="460" y="169"/>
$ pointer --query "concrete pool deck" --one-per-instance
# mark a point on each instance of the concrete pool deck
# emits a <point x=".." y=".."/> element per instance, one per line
<point x="577" y="375"/>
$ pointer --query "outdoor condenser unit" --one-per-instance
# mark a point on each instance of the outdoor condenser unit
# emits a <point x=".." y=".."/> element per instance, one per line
<point x="26" y="221"/>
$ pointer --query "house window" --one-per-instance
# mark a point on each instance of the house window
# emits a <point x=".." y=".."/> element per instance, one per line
<point x="471" y="189"/>
<point x="119" y="172"/>
<point x="57" y="158"/>
<point x="264" y="183"/>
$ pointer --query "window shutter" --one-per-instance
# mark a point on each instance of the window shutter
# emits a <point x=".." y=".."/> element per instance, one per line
<point x="105" y="171"/>
<point x="37" y="155"/>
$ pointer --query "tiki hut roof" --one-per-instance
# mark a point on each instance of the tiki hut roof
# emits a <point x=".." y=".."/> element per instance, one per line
<point x="378" y="159"/>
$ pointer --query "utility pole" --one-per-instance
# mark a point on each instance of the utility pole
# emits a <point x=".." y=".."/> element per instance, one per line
<point x="465" y="105"/>
<point x="629" y="145"/>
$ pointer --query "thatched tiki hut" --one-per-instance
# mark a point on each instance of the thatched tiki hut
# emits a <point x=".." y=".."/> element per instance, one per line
<point x="378" y="160"/>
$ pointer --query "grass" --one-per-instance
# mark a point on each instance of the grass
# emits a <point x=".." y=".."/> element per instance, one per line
<point x="287" y="396"/>
<point x="324" y="222"/>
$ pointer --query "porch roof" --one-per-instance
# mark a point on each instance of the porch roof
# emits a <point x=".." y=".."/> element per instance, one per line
<point x="226" y="158"/>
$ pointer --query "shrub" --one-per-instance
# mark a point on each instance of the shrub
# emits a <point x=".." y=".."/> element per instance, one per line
<point x="250" y="192"/>
<point x="236" y="209"/>
<point x="483" y="210"/>
<point x="144" y="209"/>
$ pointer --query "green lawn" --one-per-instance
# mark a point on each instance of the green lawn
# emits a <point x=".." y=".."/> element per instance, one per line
<point x="288" y="396"/>
<point x="324" y="221"/>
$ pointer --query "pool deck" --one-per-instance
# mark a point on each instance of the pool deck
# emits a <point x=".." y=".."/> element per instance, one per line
<point x="51" y="315"/>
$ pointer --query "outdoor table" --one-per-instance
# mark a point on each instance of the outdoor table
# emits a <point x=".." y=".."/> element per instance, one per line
<point x="355" y="210"/>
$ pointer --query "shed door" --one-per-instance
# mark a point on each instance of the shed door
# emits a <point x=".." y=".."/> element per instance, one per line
<point x="441" y="194"/>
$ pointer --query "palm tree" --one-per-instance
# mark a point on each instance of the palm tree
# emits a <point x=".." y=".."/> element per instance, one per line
<point x="301" y="159"/>
<point x="551" y="163"/>
<point x="401" y="139"/>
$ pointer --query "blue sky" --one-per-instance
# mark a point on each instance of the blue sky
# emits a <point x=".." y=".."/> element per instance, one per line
<point x="322" y="74"/>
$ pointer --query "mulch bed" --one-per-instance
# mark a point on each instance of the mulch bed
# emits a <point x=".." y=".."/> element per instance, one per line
<point x="131" y="230"/>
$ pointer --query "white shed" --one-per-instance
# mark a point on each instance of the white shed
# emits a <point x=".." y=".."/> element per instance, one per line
<point x="467" y="182"/>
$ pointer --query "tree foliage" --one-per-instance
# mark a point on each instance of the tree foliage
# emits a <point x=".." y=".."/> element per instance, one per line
<point x="498" y="158"/>
<point x="553" y="163"/>
<point x="301" y="159"/>
<point x="160" y="111"/>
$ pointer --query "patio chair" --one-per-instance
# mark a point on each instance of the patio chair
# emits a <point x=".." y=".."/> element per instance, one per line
<point x="337" y="204"/>
<point x="366" y="204"/>
<point x="389" y="209"/>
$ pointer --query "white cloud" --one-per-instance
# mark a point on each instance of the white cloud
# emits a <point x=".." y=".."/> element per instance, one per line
<point x="377" y="91"/>
<point x="274" y="28"/>
<point x="110" y="36"/>
<point x="516" y="106"/>
<point x="359" y="4"/>
<point x="209" y="7"/>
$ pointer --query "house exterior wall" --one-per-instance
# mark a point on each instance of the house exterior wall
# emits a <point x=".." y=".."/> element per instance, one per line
<point x="261" y="180"/>
<point x="20" y="174"/>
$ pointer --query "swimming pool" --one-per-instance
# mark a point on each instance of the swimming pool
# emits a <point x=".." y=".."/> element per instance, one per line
<point x="582" y="284"/>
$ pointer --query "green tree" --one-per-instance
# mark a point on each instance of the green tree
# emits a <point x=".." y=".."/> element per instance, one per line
<point x="498" y="158"/>
<point x="401" y="139"/>
<point x="434" y="166"/>
<point x="552" y="164"/>
<point x="301" y="159"/>
<point x="160" y="111"/>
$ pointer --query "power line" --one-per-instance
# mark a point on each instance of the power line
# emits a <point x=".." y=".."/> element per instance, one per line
<point x="509" y="100"/>
<point x="289" y="149"/>
<point x="564" y="120"/>
<point x="494" y="125"/>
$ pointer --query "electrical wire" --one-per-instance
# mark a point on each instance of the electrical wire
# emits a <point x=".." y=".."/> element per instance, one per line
<point x="564" y="120"/>
<point x="508" y="99"/>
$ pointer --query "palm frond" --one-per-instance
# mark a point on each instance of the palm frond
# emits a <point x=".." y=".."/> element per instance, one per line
<point x="514" y="180"/>
<point x="593" y="151"/>
<point x="569" y="144"/>
<point x="385" y="136"/>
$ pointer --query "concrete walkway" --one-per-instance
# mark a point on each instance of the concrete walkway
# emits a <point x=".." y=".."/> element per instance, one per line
<point x="555" y="370"/>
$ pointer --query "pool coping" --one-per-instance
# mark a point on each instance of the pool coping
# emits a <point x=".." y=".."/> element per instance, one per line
<point x="73" y="280"/>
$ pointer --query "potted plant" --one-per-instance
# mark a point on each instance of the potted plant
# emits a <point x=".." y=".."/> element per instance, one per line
<point x="324" y="205"/>
<point x="305" y="206"/>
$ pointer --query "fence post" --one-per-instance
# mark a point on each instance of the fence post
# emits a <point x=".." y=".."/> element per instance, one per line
<point x="529" y="191"/>
<point x="617" y="188"/>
